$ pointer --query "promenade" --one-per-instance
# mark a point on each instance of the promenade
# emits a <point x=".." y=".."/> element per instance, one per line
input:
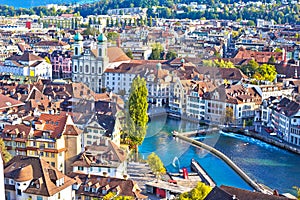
<point x="214" y="151"/>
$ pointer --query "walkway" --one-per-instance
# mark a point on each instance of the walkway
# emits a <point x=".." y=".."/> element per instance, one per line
<point x="202" y="173"/>
<point x="225" y="159"/>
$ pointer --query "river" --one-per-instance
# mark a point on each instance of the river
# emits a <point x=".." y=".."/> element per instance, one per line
<point x="266" y="164"/>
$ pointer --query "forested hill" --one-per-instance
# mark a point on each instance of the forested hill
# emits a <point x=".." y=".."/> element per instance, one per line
<point x="287" y="12"/>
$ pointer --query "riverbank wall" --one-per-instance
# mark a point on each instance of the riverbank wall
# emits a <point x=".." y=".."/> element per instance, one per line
<point x="265" y="139"/>
<point x="219" y="154"/>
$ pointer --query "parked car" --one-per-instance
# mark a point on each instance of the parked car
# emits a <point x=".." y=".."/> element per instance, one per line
<point x="269" y="129"/>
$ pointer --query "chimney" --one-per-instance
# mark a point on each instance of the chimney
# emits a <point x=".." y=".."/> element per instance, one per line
<point x="119" y="41"/>
<point x="284" y="58"/>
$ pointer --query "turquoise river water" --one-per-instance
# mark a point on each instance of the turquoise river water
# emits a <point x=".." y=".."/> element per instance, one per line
<point x="266" y="164"/>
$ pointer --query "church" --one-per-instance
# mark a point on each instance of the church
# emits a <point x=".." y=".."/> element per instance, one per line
<point x="90" y="60"/>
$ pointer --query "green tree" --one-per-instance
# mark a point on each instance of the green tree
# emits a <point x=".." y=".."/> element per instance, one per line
<point x="108" y="196"/>
<point x="136" y="118"/>
<point x="208" y="63"/>
<point x="250" y="68"/>
<point x="298" y="192"/>
<point x="266" y="72"/>
<point x="229" y="118"/>
<point x="278" y="50"/>
<point x="150" y="21"/>
<point x="251" y="23"/>
<point x="91" y="31"/>
<point x="157" y="49"/>
<point x="47" y="60"/>
<point x="198" y="193"/>
<point x="272" y="60"/>
<point x="224" y="64"/>
<point x="171" y="55"/>
<point x="129" y="54"/>
<point x="124" y="198"/>
<point x="5" y="154"/>
<point x="156" y="165"/>
<point x="112" y="36"/>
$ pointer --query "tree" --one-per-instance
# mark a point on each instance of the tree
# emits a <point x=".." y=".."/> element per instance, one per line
<point x="266" y="72"/>
<point x="229" y="118"/>
<point x="251" y="23"/>
<point x="5" y="154"/>
<point x="250" y="68"/>
<point x="157" y="49"/>
<point x="272" y="60"/>
<point x="124" y="198"/>
<point x="156" y="165"/>
<point x="171" y="55"/>
<point x="298" y="191"/>
<point x="112" y="36"/>
<point x="91" y="31"/>
<point x="198" y="193"/>
<point x="136" y="118"/>
<point x="278" y="50"/>
<point x="208" y="63"/>
<point x="150" y="21"/>
<point x="224" y="64"/>
<point x="108" y="196"/>
<point x="129" y="54"/>
<point x="47" y="60"/>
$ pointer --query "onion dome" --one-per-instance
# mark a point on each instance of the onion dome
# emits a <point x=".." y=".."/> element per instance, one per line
<point x="102" y="38"/>
<point x="78" y="37"/>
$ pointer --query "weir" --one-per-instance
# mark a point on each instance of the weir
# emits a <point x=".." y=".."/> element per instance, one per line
<point x="219" y="154"/>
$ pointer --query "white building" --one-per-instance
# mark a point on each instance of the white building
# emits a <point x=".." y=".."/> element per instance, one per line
<point x="27" y="64"/>
<point x="242" y="101"/>
<point x="33" y="178"/>
<point x="91" y="60"/>
<point x="195" y="106"/>
<point x="178" y="96"/>
<point x="286" y="120"/>
<point x="105" y="159"/>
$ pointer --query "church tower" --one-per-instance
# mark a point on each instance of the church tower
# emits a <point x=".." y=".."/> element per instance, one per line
<point x="78" y="44"/>
<point x="102" y="51"/>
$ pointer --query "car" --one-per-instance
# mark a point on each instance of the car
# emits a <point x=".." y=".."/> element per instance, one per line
<point x="269" y="129"/>
<point x="273" y="134"/>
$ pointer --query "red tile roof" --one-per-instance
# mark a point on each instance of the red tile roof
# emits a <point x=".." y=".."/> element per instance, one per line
<point x="54" y="123"/>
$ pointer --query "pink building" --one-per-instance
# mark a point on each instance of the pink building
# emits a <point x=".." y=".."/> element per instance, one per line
<point x="61" y="64"/>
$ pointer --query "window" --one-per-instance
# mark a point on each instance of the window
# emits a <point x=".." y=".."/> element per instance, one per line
<point x="80" y="168"/>
<point x="86" y="69"/>
<point x="76" y="50"/>
<point x="53" y="164"/>
<point x="19" y="193"/>
<point x="75" y="68"/>
<point x="39" y="198"/>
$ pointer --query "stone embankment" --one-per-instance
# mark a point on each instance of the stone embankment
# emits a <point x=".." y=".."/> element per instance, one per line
<point x="219" y="154"/>
<point x="278" y="143"/>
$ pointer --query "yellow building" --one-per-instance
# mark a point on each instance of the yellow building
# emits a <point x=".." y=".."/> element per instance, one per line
<point x="54" y="138"/>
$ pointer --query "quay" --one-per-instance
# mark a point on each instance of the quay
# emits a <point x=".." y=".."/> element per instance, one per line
<point x="283" y="144"/>
<point x="219" y="154"/>
<point x="205" y="178"/>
